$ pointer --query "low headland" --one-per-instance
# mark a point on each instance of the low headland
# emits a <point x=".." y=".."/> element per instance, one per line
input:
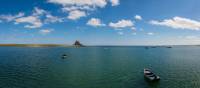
<point x="76" y="44"/>
<point x="35" y="45"/>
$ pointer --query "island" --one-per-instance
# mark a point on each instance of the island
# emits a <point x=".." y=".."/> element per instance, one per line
<point x="78" y="44"/>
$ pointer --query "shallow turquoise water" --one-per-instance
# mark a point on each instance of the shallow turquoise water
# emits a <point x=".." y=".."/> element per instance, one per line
<point x="99" y="67"/>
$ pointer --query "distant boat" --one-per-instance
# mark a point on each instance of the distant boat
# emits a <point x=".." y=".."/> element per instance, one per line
<point x="64" y="56"/>
<point x="150" y="75"/>
<point x="168" y="47"/>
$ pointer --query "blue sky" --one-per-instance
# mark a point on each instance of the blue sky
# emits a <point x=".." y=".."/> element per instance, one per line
<point x="100" y="22"/>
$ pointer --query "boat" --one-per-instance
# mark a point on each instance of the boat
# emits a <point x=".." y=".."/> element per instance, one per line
<point x="148" y="74"/>
<point x="168" y="47"/>
<point x="64" y="56"/>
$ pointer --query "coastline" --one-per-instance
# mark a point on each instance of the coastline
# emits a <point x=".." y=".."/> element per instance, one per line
<point x="34" y="45"/>
<point x="65" y="45"/>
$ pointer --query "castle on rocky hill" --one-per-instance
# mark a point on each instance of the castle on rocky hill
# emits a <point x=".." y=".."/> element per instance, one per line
<point x="78" y="44"/>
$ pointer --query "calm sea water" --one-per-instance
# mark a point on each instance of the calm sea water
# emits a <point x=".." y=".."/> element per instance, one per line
<point x="99" y="67"/>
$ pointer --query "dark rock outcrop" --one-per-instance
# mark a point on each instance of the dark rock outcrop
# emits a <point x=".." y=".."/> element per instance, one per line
<point x="78" y="44"/>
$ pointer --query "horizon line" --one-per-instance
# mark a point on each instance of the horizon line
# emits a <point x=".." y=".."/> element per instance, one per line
<point x="59" y="44"/>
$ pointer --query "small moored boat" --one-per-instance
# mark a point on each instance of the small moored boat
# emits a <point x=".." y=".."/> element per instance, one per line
<point x="168" y="47"/>
<point x="150" y="75"/>
<point x="64" y="56"/>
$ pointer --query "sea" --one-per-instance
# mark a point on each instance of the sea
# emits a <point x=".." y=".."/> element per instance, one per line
<point x="99" y="67"/>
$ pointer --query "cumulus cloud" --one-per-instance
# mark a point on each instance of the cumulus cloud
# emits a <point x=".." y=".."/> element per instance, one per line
<point x="33" y="21"/>
<point x="71" y="8"/>
<point x="95" y="22"/>
<point x="133" y="28"/>
<point x="10" y="17"/>
<point x="178" y="23"/>
<point x="47" y="16"/>
<point x="38" y="12"/>
<point x="138" y="17"/>
<point x="46" y="31"/>
<point x="150" y="33"/>
<point x="122" y="24"/>
<point x="83" y="6"/>
<point x="96" y="3"/>
<point x="76" y="14"/>
<point x="114" y="2"/>
<point x="53" y="19"/>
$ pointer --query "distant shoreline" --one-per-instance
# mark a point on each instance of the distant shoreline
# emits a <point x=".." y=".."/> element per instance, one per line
<point x="65" y="45"/>
<point x="35" y="45"/>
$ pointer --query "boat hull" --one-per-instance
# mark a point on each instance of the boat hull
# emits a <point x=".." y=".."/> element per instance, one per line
<point x="150" y="75"/>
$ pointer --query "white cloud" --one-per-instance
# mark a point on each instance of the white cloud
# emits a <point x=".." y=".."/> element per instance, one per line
<point x="71" y="8"/>
<point x="36" y="19"/>
<point x="48" y="18"/>
<point x="133" y="28"/>
<point x="95" y="22"/>
<point x="114" y="2"/>
<point x="83" y="6"/>
<point x="122" y="24"/>
<point x="10" y="17"/>
<point x="150" y="33"/>
<point x="96" y="3"/>
<point x="38" y="12"/>
<point x="46" y="31"/>
<point x="178" y="23"/>
<point x="76" y="14"/>
<point x="33" y="21"/>
<point x="53" y="19"/>
<point x="120" y="33"/>
<point x="138" y="17"/>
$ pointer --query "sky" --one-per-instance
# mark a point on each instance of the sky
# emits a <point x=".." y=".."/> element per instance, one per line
<point x="100" y="22"/>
